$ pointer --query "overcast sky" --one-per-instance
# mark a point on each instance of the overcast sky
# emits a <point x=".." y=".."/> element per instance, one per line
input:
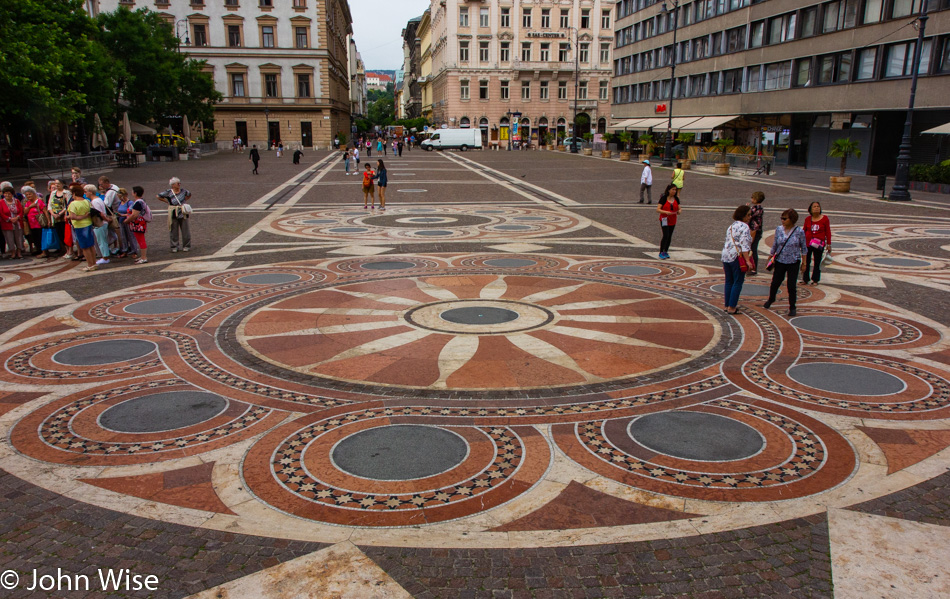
<point x="377" y="28"/>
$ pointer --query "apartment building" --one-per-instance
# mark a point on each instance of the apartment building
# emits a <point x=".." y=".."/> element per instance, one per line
<point x="412" y="50"/>
<point x="357" y="82"/>
<point x="281" y="65"/>
<point x="522" y="68"/>
<point x="786" y="76"/>
<point x="424" y="32"/>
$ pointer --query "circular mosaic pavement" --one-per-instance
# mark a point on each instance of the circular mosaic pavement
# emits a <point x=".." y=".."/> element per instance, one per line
<point x="395" y="398"/>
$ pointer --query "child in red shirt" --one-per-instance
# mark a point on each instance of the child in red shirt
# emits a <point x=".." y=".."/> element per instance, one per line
<point x="817" y="239"/>
<point x="369" y="190"/>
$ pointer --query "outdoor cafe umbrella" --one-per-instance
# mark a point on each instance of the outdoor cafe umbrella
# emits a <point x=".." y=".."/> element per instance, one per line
<point x="127" y="133"/>
<point x="99" y="138"/>
<point x="186" y="129"/>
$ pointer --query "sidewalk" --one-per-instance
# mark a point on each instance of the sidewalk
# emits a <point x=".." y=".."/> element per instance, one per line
<point x="859" y="183"/>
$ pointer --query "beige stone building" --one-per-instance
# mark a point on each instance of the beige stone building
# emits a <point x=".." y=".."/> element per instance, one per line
<point x="281" y="65"/>
<point x="786" y="77"/>
<point x="496" y="63"/>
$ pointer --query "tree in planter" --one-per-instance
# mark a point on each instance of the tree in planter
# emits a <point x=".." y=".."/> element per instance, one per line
<point x="550" y="138"/>
<point x="588" y="137"/>
<point x="722" y="144"/>
<point x="647" y="141"/>
<point x="625" y="138"/>
<point x="844" y="148"/>
<point x="685" y="138"/>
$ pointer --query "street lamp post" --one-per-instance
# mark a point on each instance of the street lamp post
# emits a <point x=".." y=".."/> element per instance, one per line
<point x="577" y="63"/>
<point x="178" y="25"/>
<point x="668" y="148"/>
<point x="509" y="130"/>
<point x="267" y="126"/>
<point x="900" y="193"/>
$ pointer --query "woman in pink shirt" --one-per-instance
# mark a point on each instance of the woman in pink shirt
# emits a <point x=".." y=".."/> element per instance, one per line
<point x="33" y="207"/>
<point x="817" y="239"/>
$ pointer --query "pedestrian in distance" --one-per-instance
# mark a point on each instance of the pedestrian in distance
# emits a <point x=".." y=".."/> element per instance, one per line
<point x="669" y="209"/>
<point x="347" y="157"/>
<point x="254" y="157"/>
<point x="369" y="191"/>
<point x="818" y="240"/>
<point x="788" y="249"/>
<point x="736" y="257"/>
<point x="280" y="149"/>
<point x="356" y="157"/>
<point x="380" y="146"/>
<point x="646" y="182"/>
<point x="679" y="175"/>
<point x="755" y="226"/>
<point x="399" y="145"/>
<point x="369" y="148"/>
<point x="382" y="180"/>
<point x="297" y="155"/>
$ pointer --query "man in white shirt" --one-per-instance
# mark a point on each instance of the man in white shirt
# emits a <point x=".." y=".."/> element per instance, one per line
<point x="100" y="228"/>
<point x="646" y="182"/>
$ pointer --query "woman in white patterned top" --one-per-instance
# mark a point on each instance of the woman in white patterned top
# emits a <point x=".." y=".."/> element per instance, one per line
<point x="738" y="242"/>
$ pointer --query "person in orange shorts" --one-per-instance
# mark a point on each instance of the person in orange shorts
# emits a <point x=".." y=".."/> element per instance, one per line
<point x="369" y="189"/>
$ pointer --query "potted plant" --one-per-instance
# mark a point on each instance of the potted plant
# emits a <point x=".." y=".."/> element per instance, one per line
<point x="647" y="142"/>
<point x="609" y="138"/>
<point x="588" y="137"/>
<point x="560" y="145"/>
<point x="549" y="139"/>
<point x="843" y="148"/>
<point x="722" y="144"/>
<point x="625" y="138"/>
<point x="686" y="139"/>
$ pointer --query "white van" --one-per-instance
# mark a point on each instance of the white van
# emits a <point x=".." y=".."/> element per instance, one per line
<point x="462" y="139"/>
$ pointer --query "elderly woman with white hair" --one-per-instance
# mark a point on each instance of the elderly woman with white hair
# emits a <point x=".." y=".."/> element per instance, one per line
<point x="178" y="211"/>
<point x="11" y="220"/>
<point x="35" y="210"/>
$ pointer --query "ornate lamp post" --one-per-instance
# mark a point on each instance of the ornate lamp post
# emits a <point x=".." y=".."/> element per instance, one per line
<point x="899" y="192"/>
<point x="178" y="25"/>
<point x="668" y="148"/>
<point x="577" y="63"/>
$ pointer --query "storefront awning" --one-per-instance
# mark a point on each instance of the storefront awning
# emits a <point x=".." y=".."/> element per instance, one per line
<point x="621" y="125"/>
<point x="942" y="129"/>
<point x="706" y="123"/>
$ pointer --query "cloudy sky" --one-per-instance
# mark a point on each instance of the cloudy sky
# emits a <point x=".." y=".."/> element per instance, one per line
<point x="377" y="28"/>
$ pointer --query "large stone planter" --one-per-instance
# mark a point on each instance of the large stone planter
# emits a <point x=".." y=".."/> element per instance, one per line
<point x="588" y="152"/>
<point x="624" y="156"/>
<point x="687" y="165"/>
<point x="722" y="168"/>
<point x="606" y="153"/>
<point x="840" y="184"/>
<point x="562" y="148"/>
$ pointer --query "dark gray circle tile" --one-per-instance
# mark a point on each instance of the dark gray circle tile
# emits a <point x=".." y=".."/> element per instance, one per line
<point x="900" y="262"/>
<point x="843" y="245"/>
<point x="104" y="352"/>
<point x="630" y="269"/>
<point x="169" y="305"/>
<point x="489" y="212"/>
<point x="272" y="278"/>
<point x="387" y="265"/>
<point x="433" y="233"/>
<point x="858" y="234"/>
<point x="846" y="378"/>
<point x="479" y="315"/>
<point x="530" y="218"/>
<point x="319" y="221"/>
<point x="162" y="412"/>
<point x="510" y="262"/>
<point x="511" y="228"/>
<point x="836" y="325"/>
<point x="940" y="232"/>
<point x="428" y="219"/>
<point x="348" y="230"/>
<point x="747" y="289"/>
<point x="401" y="452"/>
<point x="352" y="213"/>
<point x="696" y="436"/>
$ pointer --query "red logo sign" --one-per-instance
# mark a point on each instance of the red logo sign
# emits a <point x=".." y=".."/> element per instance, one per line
<point x="660" y="108"/>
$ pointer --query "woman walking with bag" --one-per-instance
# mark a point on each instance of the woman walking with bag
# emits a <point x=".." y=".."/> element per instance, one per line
<point x="818" y="239"/>
<point x="56" y="203"/>
<point x="137" y="222"/>
<point x="669" y="209"/>
<point x="736" y="257"/>
<point x="179" y="231"/>
<point x="788" y="249"/>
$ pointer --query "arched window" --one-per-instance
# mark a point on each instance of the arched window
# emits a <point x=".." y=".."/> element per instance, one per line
<point x="465" y="123"/>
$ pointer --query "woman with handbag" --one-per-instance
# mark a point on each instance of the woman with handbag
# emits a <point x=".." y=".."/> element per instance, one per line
<point x="818" y="239"/>
<point x="35" y="211"/>
<point x="56" y="203"/>
<point x="178" y="211"/>
<point x="785" y="258"/>
<point x="137" y="222"/>
<point x="669" y="209"/>
<point x="127" y="243"/>
<point x="737" y="257"/>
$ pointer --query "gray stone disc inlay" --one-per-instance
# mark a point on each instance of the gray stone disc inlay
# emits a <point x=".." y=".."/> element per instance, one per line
<point x="843" y="245"/>
<point x="319" y="221"/>
<point x="696" y="436"/>
<point x="836" y="325"/>
<point x="510" y="262"/>
<point x="846" y="378"/>
<point x="433" y="233"/>
<point x="859" y="234"/>
<point x="401" y="452"/>
<point x="104" y="352"/>
<point x="348" y="230"/>
<point x="272" y="278"/>
<point x="747" y="289"/>
<point x="388" y="265"/>
<point x="941" y="232"/>
<point x="162" y="412"/>
<point x="512" y="228"/>
<point x="479" y="315"/>
<point x="163" y="306"/>
<point x="628" y="269"/>
<point x="900" y="262"/>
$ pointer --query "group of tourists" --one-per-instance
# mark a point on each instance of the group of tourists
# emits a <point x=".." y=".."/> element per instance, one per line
<point x="81" y="221"/>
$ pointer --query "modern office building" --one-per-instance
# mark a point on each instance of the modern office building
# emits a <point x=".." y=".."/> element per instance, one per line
<point x="786" y="77"/>
<point x="501" y="62"/>
<point x="281" y="65"/>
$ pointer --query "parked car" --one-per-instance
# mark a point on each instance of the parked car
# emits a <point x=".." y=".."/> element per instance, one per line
<point x="580" y="142"/>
